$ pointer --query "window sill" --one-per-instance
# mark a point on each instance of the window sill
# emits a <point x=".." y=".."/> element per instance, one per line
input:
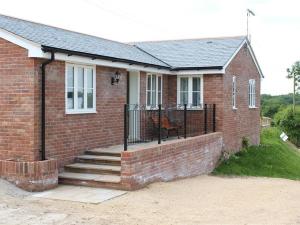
<point x="81" y="112"/>
<point x="253" y="107"/>
<point x="234" y="108"/>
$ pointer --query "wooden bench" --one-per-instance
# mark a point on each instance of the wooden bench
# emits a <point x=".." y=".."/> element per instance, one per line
<point x="165" y="125"/>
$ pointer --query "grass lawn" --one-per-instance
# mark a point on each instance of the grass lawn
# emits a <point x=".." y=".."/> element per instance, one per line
<point x="273" y="158"/>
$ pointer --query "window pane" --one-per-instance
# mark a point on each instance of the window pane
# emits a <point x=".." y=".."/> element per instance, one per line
<point x="80" y="93"/>
<point x="183" y="98"/>
<point x="159" y="83"/>
<point x="196" y="83"/>
<point x="70" y="102"/>
<point x="153" y="82"/>
<point x="70" y="76"/>
<point x="89" y="78"/>
<point x="153" y="103"/>
<point x="148" y="98"/>
<point x="184" y="84"/>
<point x="70" y="85"/>
<point x="149" y="82"/>
<point x="159" y="97"/>
<point x="90" y="98"/>
<point x="196" y="99"/>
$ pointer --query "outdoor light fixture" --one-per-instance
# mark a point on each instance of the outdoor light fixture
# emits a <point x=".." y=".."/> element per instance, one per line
<point x="116" y="78"/>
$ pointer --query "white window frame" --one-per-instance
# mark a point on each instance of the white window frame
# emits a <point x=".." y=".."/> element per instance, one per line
<point x="190" y="91"/>
<point x="85" y="109"/>
<point x="252" y="94"/>
<point x="161" y="91"/>
<point x="234" y="92"/>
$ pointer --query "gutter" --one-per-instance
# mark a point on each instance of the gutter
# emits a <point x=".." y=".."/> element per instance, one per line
<point x="93" y="56"/>
<point x="197" y="68"/>
<point x="43" y="103"/>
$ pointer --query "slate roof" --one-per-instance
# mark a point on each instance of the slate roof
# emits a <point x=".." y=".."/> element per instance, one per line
<point x="208" y="52"/>
<point x="177" y="54"/>
<point x="73" y="41"/>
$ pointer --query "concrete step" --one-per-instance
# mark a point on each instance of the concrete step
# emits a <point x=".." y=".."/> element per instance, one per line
<point x="93" y="168"/>
<point x="104" y="152"/>
<point x="90" y="180"/>
<point x="99" y="159"/>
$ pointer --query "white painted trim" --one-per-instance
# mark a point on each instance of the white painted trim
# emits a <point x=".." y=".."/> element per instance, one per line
<point x="255" y="60"/>
<point x="139" y="83"/>
<point x="34" y="50"/>
<point x="76" y="110"/>
<point x="190" y="85"/>
<point x="252" y="93"/>
<point x="234" y="54"/>
<point x="100" y="62"/>
<point x="252" y="55"/>
<point x="197" y="72"/>
<point x="139" y="87"/>
<point x="234" y="92"/>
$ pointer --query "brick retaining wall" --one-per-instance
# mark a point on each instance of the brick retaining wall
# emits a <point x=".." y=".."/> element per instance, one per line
<point x="30" y="176"/>
<point x="171" y="160"/>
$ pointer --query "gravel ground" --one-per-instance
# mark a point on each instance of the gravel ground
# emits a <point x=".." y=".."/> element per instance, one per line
<point x="199" y="200"/>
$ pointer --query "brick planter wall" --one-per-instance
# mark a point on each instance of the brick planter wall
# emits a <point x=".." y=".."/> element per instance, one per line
<point x="171" y="160"/>
<point x="30" y="176"/>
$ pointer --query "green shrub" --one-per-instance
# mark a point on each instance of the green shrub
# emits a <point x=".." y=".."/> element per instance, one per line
<point x="289" y="122"/>
<point x="245" y="142"/>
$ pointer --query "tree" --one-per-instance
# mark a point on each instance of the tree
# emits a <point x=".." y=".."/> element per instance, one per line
<point x="294" y="73"/>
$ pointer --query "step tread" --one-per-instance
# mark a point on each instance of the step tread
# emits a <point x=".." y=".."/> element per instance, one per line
<point x="104" y="151"/>
<point x="100" y="157"/>
<point x="90" y="177"/>
<point x="94" y="166"/>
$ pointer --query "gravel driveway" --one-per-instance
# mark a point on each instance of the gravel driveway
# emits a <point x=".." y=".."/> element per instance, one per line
<point x="199" y="200"/>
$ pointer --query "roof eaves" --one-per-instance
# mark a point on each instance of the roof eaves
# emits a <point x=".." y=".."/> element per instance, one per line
<point x="198" y="68"/>
<point x="94" y="56"/>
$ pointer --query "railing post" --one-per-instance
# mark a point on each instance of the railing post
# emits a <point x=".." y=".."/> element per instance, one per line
<point x="184" y="120"/>
<point x="205" y="118"/>
<point x="214" y="118"/>
<point x="125" y="127"/>
<point x="159" y="123"/>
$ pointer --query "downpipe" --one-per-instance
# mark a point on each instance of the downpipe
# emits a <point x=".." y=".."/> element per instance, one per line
<point x="43" y="104"/>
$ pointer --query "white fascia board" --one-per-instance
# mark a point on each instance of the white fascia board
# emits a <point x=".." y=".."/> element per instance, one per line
<point x="197" y="72"/>
<point x="34" y="49"/>
<point x="234" y="54"/>
<point x="252" y="55"/>
<point x="101" y="62"/>
<point x="255" y="60"/>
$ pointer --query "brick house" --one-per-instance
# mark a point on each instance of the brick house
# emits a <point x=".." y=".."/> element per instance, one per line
<point x="63" y="95"/>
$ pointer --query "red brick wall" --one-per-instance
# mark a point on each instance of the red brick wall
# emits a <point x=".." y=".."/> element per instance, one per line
<point x="213" y="94"/>
<point x="70" y="135"/>
<point x="243" y="122"/>
<point x="30" y="176"/>
<point x="171" y="160"/>
<point x="17" y="116"/>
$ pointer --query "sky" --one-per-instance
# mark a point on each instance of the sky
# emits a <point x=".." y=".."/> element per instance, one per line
<point x="275" y="28"/>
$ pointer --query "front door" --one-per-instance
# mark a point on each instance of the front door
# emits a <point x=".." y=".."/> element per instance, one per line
<point x="134" y="100"/>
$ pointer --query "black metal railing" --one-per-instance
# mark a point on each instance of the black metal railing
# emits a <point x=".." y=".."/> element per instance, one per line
<point x="144" y="124"/>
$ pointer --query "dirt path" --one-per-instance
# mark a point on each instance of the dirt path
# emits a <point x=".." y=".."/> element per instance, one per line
<point x="199" y="200"/>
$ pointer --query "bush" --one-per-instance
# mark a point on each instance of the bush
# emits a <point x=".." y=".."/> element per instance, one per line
<point x="245" y="142"/>
<point x="289" y="122"/>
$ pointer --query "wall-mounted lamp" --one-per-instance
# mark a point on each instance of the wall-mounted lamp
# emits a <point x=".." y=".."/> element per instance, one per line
<point x="116" y="78"/>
